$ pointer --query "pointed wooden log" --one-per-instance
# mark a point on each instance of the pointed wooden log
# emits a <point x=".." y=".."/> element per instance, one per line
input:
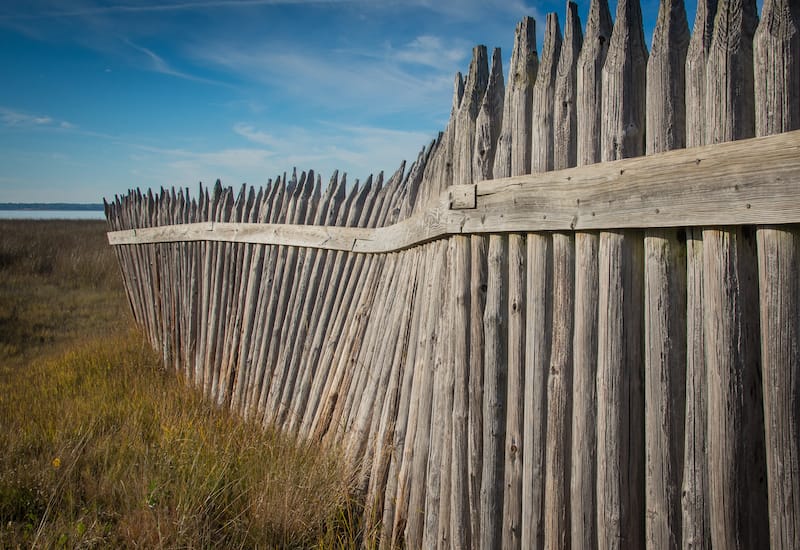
<point x="565" y="117"/>
<point x="538" y="326"/>
<point x="416" y="365"/>
<point x="513" y="155"/>
<point x="776" y="58"/>
<point x="666" y="82"/>
<point x="779" y="283"/>
<point x="543" y="94"/>
<point x="583" y="507"/>
<point x="735" y="410"/>
<point x="696" y="57"/>
<point x="559" y="397"/>
<point x="478" y="286"/>
<point x="460" y="529"/>
<point x="623" y="93"/>
<point x="737" y="471"/>
<point x="589" y="81"/>
<point x="515" y="400"/>
<point x="489" y="122"/>
<point x="665" y="291"/>
<point x="730" y="110"/>
<point x="437" y="517"/>
<point x="620" y="409"/>
<point x="414" y="528"/>
<point x="665" y="383"/>
<point x="695" y="501"/>
<point x="464" y="138"/>
<point x="583" y="501"/>
<point x="494" y="380"/>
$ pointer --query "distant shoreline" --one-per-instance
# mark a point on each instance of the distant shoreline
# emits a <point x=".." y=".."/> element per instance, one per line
<point x="51" y="206"/>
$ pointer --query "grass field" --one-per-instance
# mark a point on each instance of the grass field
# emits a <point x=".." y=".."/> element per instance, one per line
<point x="102" y="448"/>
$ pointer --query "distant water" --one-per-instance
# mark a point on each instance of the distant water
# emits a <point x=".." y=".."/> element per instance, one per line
<point x="52" y="215"/>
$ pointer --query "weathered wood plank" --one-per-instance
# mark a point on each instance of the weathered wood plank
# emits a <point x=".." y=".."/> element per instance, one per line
<point x="513" y="155"/>
<point x="725" y="184"/>
<point x="543" y="94"/>
<point x="736" y="467"/>
<point x="560" y="397"/>
<point x="488" y="125"/>
<point x="538" y="327"/>
<point x="590" y="82"/>
<point x="583" y="499"/>
<point x="776" y="58"/>
<point x="620" y="410"/>
<point x="494" y="400"/>
<point x="515" y="400"/>
<point x="665" y="292"/>
<point x="565" y="117"/>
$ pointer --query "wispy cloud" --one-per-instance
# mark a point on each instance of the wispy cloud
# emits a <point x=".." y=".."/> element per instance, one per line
<point x="390" y="80"/>
<point x="48" y="11"/>
<point x="158" y="64"/>
<point x="19" y="119"/>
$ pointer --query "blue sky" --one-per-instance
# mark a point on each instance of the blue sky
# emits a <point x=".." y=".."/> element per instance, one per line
<point x="100" y="96"/>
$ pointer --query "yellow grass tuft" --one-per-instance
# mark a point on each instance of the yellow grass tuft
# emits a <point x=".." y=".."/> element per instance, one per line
<point x="103" y="448"/>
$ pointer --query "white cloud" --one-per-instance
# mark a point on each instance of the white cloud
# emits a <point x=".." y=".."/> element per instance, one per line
<point x="158" y="64"/>
<point x="18" y="119"/>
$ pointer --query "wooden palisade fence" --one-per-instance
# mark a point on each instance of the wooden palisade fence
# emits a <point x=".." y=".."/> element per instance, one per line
<point x="511" y="347"/>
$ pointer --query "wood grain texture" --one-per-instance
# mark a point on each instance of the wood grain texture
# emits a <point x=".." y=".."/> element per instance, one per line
<point x="665" y="292"/>
<point x="695" y="502"/>
<point x="583" y="501"/>
<point x="623" y="94"/>
<point x="737" y="472"/>
<point x="620" y="407"/>
<point x="696" y="57"/>
<point x="489" y="123"/>
<point x="538" y="327"/>
<point x="543" y="94"/>
<point x="515" y="400"/>
<point x="590" y="83"/>
<point x="513" y="156"/>
<point x="776" y="59"/>
<point x="495" y="323"/>
<point x="746" y="182"/>
<point x="565" y="116"/>
<point x="557" y="532"/>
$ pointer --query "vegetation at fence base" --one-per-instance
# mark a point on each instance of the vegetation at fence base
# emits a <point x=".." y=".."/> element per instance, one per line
<point x="102" y="448"/>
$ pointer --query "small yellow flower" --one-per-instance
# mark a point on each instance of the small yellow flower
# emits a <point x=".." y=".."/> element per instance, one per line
<point x="56" y="463"/>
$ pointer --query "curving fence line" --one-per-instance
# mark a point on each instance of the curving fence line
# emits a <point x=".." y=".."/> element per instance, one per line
<point x="572" y="322"/>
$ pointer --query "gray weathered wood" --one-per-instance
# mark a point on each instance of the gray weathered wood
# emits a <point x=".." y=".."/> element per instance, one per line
<point x="665" y="292"/>
<point x="464" y="136"/>
<point x="737" y="472"/>
<point x="515" y="400"/>
<point x="620" y="410"/>
<point x="565" y="117"/>
<point x="513" y="156"/>
<point x="538" y="326"/>
<point x="583" y="507"/>
<point x="695" y="502"/>
<point x="590" y="83"/>
<point x="494" y="400"/>
<point x="560" y="397"/>
<point x="488" y="125"/>
<point x="460" y="528"/>
<point x="696" y="57"/>
<point x="543" y="94"/>
<point x="623" y="94"/>
<point x="776" y="58"/>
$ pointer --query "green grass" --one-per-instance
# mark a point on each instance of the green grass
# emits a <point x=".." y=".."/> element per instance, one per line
<point x="103" y="448"/>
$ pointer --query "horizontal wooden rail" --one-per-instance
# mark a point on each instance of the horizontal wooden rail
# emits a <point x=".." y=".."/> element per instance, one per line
<point x="753" y="181"/>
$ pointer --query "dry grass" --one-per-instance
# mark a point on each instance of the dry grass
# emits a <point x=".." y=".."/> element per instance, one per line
<point x="102" y="448"/>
